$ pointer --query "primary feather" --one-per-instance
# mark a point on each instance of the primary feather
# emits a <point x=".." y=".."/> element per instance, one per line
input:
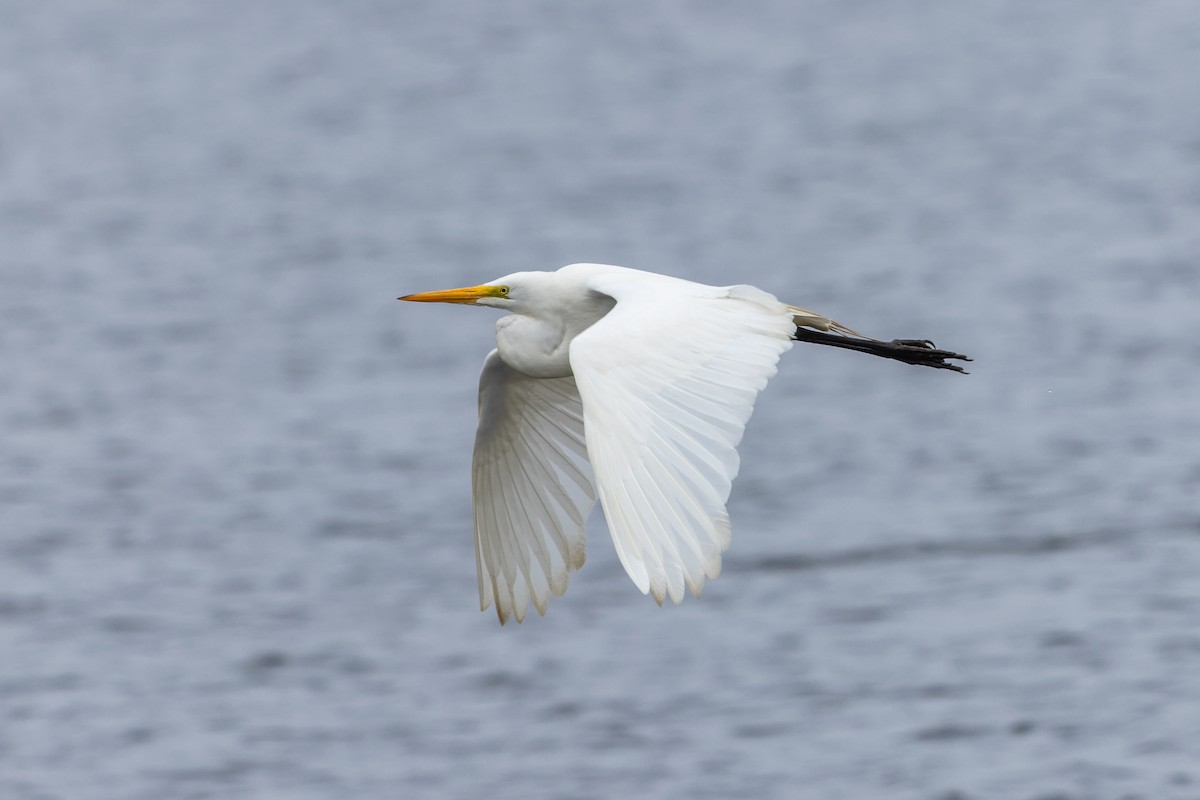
<point x="532" y="488"/>
<point x="668" y="380"/>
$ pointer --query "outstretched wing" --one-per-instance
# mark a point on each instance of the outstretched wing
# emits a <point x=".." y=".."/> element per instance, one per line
<point x="668" y="380"/>
<point x="532" y="488"/>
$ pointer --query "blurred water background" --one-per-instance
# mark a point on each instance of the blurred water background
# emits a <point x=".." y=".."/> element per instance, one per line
<point x="235" y="549"/>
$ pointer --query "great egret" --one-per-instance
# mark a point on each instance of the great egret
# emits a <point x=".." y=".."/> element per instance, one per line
<point x="632" y="386"/>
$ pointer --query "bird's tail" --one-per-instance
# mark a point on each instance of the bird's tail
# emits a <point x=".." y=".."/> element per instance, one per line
<point x="811" y="319"/>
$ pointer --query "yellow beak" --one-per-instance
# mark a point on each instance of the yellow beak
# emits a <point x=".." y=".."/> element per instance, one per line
<point x="469" y="294"/>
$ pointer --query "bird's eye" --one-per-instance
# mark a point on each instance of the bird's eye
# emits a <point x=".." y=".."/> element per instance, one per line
<point x="504" y="291"/>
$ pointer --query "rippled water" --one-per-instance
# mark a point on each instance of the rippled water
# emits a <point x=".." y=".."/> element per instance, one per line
<point x="235" y="556"/>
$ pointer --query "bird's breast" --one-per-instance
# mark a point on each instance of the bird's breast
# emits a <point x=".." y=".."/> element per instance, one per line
<point x="534" y="347"/>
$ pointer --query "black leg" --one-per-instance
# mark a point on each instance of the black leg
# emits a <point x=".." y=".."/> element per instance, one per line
<point x="911" y="351"/>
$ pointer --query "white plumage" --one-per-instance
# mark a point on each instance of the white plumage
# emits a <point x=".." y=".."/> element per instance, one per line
<point x="618" y="384"/>
<point x="532" y="487"/>
<point x="634" y="388"/>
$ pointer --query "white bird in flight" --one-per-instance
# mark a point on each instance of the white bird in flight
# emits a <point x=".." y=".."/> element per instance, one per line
<point x="632" y="387"/>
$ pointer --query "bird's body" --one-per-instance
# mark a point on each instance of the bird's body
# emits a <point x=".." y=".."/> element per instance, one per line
<point x="628" y="386"/>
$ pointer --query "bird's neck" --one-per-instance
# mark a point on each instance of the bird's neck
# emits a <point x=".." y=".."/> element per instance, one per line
<point x="540" y="346"/>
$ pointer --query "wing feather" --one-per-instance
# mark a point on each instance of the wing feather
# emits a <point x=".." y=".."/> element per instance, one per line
<point x="532" y="488"/>
<point x="668" y="380"/>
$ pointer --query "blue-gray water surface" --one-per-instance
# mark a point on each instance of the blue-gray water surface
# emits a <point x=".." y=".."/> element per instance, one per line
<point x="235" y="547"/>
